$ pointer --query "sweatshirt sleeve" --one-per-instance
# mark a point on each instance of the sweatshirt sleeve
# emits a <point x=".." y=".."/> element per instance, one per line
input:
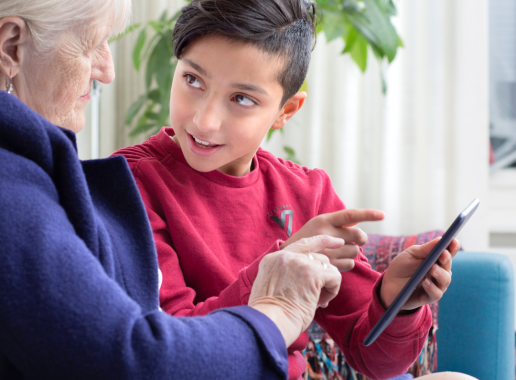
<point x="63" y="317"/>
<point x="176" y="297"/>
<point x="352" y="314"/>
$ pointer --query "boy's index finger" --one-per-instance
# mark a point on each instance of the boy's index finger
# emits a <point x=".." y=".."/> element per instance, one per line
<point x="351" y="217"/>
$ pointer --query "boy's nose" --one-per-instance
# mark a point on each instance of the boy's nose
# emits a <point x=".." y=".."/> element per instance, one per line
<point x="208" y="118"/>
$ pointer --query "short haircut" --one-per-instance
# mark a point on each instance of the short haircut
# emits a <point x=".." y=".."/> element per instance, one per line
<point x="284" y="28"/>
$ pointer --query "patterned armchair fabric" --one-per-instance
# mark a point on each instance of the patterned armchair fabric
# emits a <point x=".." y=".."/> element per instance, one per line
<point x="324" y="359"/>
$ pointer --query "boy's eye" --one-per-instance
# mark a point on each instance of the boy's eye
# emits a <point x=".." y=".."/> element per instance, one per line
<point x="244" y="100"/>
<point x="193" y="81"/>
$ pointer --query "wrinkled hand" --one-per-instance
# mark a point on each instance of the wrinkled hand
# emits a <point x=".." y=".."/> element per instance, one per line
<point x="290" y="286"/>
<point x="339" y="224"/>
<point x="406" y="263"/>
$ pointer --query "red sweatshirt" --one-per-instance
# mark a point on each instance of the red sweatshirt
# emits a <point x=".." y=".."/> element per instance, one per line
<point x="212" y="229"/>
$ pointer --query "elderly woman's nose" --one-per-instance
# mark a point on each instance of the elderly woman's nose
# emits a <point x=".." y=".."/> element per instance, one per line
<point x="103" y="68"/>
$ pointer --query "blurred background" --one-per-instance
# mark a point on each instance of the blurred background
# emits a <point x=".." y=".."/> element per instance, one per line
<point x="442" y="132"/>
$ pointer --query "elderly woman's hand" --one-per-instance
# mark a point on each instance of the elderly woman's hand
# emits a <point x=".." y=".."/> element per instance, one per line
<point x="292" y="283"/>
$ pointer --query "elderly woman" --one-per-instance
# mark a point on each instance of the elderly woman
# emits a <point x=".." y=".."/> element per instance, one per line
<point x="79" y="275"/>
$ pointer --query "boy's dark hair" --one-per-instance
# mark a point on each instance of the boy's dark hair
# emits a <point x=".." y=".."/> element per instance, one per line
<point x="279" y="27"/>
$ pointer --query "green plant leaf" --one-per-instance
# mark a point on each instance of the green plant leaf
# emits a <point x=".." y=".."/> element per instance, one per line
<point x="141" y="129"/>
<point x="160" y="65"/>
<point x="135" y="108"/>
<point x="152" y="64"/>
<point x="270" y="133"/>
<point x="164" y="113"/>
<point x="160" y="26"/>
<point x="334" y="25"/>
<point x="152" y="116"/>
<point x="127" y="30"/>
<point x="157" y="54"/>
<point x="361" y="24"/>
<point x="304" y="86"/>
<point x="138" y="48"/>
<point x="150" y="46"/>
<point x="319" y="28"/>
<point x="165" y="71"/>
<point x="376" y="27"/>
<point x="289" y="150"/>
<point x="383" y="28"/>
<point x="155" y="96"/>
<point x="163" y="122"/>
<point x="322" y="3"/>
<point x="349" y="39"/>
<point x="351" y="6"/>
<point x="291" y="154"/>
<point x="142" y="120"/>
<point x="387" y="7"/>
<point x="359" y="52"/>
<point x="383" y="79"/>
<point x="156" y="25"/>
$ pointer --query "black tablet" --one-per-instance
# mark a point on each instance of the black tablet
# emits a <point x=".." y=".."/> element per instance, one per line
<point x="420" y="273"/>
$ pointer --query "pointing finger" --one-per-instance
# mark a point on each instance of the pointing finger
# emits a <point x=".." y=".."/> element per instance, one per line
<point x="350" y="217"/>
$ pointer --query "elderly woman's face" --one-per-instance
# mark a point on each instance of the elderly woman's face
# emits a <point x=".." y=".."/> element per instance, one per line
<point x="58" y="88"/>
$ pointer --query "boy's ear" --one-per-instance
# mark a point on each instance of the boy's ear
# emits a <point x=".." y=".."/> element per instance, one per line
<point x="293" y="104"/>
<point x="13" y="33"/>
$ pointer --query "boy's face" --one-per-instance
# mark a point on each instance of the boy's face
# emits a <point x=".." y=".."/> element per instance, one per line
<point x="225" y="97"/>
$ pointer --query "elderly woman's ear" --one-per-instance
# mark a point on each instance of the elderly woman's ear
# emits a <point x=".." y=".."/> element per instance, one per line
<point x="14" y="36"/>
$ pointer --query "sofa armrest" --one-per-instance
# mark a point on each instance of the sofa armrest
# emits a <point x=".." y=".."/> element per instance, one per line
<point x="476" y="318"/>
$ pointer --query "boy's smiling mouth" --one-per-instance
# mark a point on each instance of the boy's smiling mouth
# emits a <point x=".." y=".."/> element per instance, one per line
<point x="203" y="144"/>
<point x="202" y="147"/>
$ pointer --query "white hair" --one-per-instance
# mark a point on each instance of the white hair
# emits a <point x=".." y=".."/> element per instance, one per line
<point x="48" y="19"/>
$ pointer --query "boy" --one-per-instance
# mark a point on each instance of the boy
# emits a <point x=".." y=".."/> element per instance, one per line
<point x="218" y="203"/>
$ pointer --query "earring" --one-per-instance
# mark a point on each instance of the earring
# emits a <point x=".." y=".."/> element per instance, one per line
<point x="9" y="84"/>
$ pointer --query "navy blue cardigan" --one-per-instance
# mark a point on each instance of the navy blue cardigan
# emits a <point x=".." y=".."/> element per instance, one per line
<point x="79" y="281"/>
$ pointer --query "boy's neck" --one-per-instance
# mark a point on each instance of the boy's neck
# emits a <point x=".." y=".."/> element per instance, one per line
<point x="238" y="168"/>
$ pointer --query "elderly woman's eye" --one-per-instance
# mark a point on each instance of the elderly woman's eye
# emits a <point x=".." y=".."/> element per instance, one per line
<point x="244" y="100"/>
<point x="193" y="81"/>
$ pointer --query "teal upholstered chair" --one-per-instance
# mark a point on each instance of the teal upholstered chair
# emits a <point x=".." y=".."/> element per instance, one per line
<point x="476" y="318"/>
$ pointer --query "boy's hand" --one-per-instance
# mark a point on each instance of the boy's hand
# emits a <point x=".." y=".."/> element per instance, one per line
<point x="406" y="263"/>
<point x="339" y="224"/>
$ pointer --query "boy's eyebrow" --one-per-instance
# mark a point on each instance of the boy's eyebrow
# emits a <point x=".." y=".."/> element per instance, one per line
<point x="196" y="66"/>
<point x="243" y="87"/>
<point x="249" y="87"/>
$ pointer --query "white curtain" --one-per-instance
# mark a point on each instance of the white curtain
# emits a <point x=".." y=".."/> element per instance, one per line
<point x="421" y="152"/>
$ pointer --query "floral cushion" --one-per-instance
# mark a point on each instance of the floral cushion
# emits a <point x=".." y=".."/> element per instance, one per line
<point x="326" y="361"/>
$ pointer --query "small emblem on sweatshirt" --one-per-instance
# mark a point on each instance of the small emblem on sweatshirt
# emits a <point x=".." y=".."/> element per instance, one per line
<point x="285" y="210"/>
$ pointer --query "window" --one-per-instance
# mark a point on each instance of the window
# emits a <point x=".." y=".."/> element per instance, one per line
<point x="502" y="77"/>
